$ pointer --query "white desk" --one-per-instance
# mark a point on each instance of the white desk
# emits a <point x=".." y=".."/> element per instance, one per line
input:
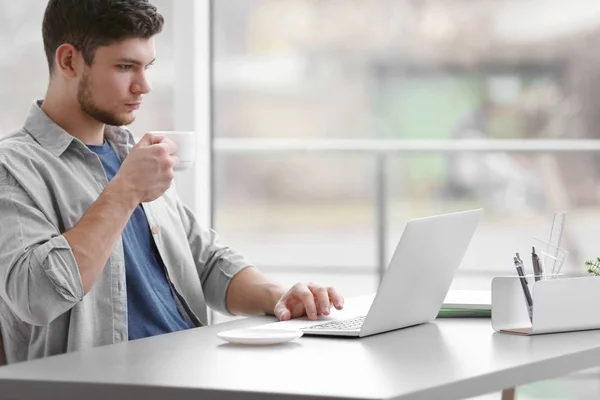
<point x="449" y="359"/>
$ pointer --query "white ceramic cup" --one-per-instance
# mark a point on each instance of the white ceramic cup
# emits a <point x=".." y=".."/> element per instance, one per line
<point x="186" y="143"/>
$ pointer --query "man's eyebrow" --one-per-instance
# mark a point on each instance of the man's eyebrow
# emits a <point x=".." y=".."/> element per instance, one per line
<point x="134" y="61"/>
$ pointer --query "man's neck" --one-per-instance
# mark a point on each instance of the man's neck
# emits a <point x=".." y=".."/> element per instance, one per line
<point x="66" y="113"/>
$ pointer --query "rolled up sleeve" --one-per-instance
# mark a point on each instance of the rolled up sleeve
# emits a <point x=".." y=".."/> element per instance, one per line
<point x="39" y="276"/>
<point x="217" y="264"/>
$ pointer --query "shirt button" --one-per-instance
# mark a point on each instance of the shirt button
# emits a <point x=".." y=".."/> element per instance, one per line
<point x="154" y="230"/>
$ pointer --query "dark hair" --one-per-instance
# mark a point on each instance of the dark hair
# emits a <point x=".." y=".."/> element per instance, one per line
<point x="90" y="24"/>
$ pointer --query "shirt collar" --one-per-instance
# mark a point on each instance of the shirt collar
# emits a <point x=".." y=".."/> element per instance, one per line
<point x="56" y="140"/>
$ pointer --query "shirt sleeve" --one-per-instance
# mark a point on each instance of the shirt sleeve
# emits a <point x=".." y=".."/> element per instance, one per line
<point x="216" y="263"/>
<point x="39" y="276"/>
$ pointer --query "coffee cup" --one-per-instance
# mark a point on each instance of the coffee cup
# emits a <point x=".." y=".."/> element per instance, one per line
<point x="186" y="144"/>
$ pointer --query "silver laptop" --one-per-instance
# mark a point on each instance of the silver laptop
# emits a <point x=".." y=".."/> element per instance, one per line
<point x="417" y="279"/>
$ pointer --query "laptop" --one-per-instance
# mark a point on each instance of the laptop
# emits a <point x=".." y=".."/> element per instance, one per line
<point x="417" y="279"/>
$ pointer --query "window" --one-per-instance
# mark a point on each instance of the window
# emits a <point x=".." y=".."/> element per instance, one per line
<point x="300" y="86"/>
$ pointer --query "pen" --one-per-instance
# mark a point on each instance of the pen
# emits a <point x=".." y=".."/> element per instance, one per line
<point x="537" y="267"/>
<point x="519" y="259"/>
<point x="519" y="266"/>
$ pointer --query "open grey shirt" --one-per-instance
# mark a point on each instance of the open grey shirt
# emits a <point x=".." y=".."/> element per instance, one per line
<point x="48" y="180"/>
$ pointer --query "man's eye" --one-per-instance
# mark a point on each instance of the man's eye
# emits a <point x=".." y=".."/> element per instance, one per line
<point x="124" y="67"/>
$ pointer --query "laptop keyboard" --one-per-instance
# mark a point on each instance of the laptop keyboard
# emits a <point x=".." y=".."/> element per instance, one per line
<point x="344" y="325"/>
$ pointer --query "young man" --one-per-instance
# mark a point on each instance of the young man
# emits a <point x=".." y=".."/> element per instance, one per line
<point x="95" y="247"/>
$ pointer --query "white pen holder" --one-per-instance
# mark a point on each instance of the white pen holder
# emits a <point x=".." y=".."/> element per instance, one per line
<point x="559" y="305"/>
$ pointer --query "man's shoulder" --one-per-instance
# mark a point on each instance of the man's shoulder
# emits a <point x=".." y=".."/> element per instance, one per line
<point x="16" y="143"/>
<point x="16" y="149"/>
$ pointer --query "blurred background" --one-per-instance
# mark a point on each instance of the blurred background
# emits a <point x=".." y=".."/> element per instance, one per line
<point x="409" y="71"/>
<point x="335" y="122"/>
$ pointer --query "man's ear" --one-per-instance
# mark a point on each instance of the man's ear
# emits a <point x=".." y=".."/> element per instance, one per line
<point x="68" y="60"/>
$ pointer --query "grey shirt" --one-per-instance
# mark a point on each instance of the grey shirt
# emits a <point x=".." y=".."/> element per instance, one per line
<point x="48" y="180"/>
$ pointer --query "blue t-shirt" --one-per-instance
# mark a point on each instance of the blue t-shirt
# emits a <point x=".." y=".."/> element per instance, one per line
<point x="151" y="307"/>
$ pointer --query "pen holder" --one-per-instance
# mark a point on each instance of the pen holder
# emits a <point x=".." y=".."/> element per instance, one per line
<point x="559" y="305"/>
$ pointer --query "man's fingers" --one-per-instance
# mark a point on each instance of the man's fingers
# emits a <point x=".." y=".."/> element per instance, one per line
<point x="155" y="139"/>
<point x="282" y="312"/>
<point x="310" y="298"/>
<point x="281" y="309"/>
<point x="303" y="293"/>
<point x="176" y="161"/>
<point x="320" y="293"/>
<point x="150" y="139"/>
<point x="336" y="298"/>
<point x="169" y="145"/>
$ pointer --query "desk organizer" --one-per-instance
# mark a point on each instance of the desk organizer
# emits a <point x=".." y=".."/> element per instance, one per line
<point x="559" y="305"/>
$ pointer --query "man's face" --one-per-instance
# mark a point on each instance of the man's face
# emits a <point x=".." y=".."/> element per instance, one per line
<point x="111" y="89"/>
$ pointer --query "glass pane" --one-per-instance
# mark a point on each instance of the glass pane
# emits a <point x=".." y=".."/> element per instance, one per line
<point x="317" y="213"/>
<point x="297" y="211"/>
<point x="394" y="69"/>
<point x="406" y="69"/>
<point x="519" y="194"/>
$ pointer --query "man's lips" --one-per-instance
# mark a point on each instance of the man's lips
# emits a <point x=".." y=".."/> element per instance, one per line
<point x="134" y="106"/>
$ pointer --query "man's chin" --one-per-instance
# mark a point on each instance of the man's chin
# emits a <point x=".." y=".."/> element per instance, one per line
<point x="129" y="119"/>
<point x="123" y="119"/>
<point x="110" y="118"/>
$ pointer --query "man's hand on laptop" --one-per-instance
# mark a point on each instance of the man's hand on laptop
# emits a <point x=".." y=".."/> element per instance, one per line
<point x="308" y="299"/>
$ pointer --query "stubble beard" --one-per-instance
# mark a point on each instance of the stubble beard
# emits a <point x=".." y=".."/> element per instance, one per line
<point x="87" y="106"/>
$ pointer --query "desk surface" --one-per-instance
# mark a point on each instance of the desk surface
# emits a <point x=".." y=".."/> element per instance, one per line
<point x="450" y="359"/>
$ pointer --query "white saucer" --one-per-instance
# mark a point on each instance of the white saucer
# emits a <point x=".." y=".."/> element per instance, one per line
<point x="260" y="335"/>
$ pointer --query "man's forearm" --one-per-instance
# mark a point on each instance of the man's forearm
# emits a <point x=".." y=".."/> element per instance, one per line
<point x="250" y="292"/>
<point x="94" y="236"/>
